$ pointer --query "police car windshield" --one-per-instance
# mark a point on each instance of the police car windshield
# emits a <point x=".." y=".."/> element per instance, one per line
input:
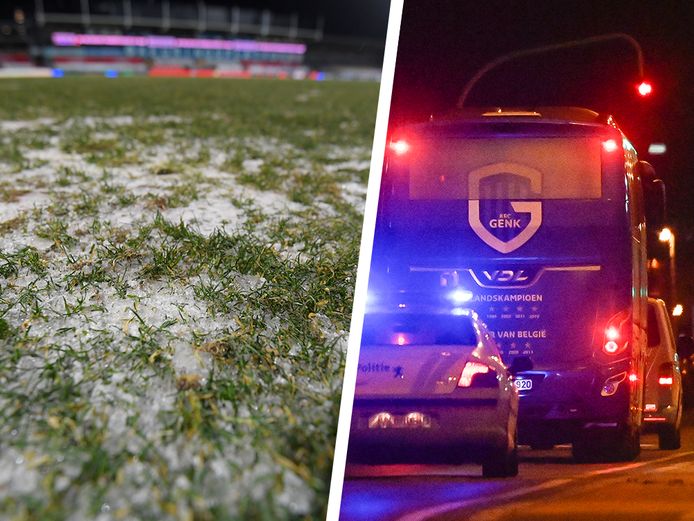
<point x="418" y="329"/>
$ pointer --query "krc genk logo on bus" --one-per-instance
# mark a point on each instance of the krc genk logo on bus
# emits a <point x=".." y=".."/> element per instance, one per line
<point x="500" y="221"/>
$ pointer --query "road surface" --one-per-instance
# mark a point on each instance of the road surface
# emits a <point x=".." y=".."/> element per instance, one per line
<point x="659" y="485"/>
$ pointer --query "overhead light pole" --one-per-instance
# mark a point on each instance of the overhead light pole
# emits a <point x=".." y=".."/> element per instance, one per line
<point x="644" y="87"/>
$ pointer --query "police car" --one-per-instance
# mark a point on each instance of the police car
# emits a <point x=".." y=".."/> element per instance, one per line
<point x="432" y="387"/>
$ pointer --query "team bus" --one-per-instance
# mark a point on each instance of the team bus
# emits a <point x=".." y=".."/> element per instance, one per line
<point x="535" y="219"/>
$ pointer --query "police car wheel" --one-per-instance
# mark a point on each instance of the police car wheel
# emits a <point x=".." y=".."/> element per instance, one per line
<point x="593" y="447"/>
<point x="501" y="464"/>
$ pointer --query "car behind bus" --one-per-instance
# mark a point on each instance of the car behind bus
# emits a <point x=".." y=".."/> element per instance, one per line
<point x="663" y="379"/>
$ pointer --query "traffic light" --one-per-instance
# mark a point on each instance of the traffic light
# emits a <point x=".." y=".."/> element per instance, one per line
<point x="644" y="88"/>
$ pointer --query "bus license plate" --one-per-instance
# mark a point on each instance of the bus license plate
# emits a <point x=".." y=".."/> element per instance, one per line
<point x="523" y="384"/>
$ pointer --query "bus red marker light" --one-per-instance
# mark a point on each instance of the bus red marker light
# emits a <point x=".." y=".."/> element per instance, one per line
<point x="633" y="377"/>
<point x="400" y="147"/>
<point x="610" y="145"/>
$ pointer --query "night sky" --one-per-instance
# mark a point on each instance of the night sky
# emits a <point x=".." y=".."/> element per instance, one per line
<point x="444" y="42"/>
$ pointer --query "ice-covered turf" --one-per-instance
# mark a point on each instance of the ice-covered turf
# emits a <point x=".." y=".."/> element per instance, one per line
<point x="176" y="269"/>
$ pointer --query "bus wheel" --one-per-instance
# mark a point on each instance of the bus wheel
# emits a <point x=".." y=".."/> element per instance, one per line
<point x="586" y="449"/>
<point x="625" y="444"/>
<point x="669" y="437"/>
<point x="594" y="447"/>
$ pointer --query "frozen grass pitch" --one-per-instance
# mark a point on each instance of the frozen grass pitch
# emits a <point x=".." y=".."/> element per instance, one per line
<point x="177" y="261"/>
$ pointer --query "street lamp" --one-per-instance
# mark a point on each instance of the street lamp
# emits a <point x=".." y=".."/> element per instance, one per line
<point x="667" y="235"/>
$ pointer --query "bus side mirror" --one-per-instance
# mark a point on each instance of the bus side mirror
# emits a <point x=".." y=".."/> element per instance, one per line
<point x="653" y="194"/>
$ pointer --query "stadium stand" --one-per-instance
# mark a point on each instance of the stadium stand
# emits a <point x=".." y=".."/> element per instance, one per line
<point x="175" y="38"/>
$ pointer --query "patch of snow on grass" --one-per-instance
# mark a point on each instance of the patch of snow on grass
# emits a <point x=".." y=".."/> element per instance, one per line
<point x="126" y="351"/>
<point x="207" y="215"/>
<point x="32" y="124"/>
<point x="354" y="194"/>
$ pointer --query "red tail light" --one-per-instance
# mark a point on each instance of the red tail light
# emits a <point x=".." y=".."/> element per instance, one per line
<point x="616" y="334"/>
<point x="612" y="333"/>
<point x="665" y="375"/>
<point x="470" y="377"/>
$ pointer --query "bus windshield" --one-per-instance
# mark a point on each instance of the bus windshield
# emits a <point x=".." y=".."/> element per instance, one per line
<point x="519" y="169"/>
